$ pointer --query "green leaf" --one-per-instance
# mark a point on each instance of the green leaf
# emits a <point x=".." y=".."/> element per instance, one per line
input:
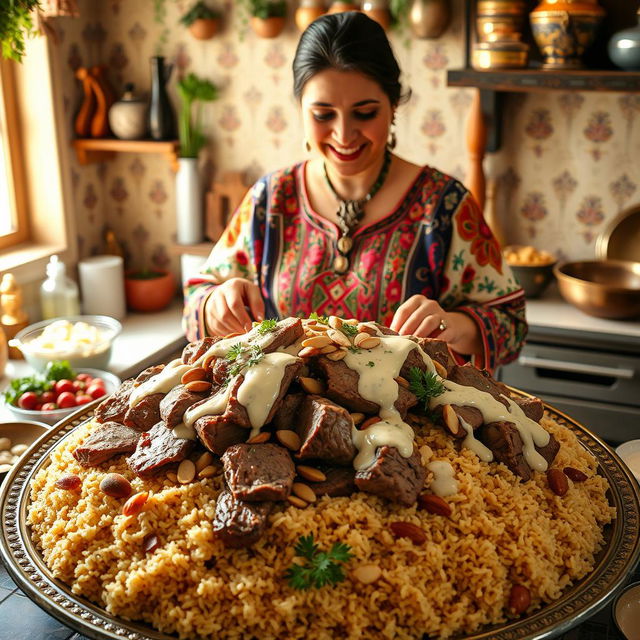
<point x="59" y="371"/>
<point x="349" y="330"/>
<point x="425" y="385"/>
<point x="267" y="326"/>
<point x="317" y="318"/>
<point x="321" y="567"/>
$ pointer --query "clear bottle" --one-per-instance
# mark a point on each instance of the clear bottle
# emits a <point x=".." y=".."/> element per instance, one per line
<point x="58" y="294"/>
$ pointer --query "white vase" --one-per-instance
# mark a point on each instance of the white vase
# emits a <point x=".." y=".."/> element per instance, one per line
<point x="190" y="226"/>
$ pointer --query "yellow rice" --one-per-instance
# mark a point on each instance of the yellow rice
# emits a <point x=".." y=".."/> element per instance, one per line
<point x="501" y="532"/>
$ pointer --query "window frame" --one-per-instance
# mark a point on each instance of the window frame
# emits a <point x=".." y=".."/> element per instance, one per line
<point x="12" y="147"/>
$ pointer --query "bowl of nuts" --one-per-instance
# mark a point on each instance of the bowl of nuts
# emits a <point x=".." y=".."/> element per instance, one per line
<point x="15" y="439"/>
<point x="532" y="268"/>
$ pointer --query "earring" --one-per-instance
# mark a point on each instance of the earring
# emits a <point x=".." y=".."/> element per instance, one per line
<point x="307" y="146"/>
<point x="391" y="142"/>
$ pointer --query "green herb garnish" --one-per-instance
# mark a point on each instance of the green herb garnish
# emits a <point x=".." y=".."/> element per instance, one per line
<point x="321" y="567"/>
<point x="371" y="363"/>
<point x="235" y="351"/>
<point x="425" y="385"/>
<point x="267" y="326"/>
<point x="354" y="349"/>
<point x="317" y="318"/>
<point x="349" y="330"/>
<point x="39" y="382"/>
<point x="243" y="356"/>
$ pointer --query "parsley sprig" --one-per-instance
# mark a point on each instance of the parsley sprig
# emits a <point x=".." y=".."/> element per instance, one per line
<point x="321" y="567"/>
<point x="267" y="326"/>
<point x="425" y="385"/>
<point x="349" y="330"/>
<point x="242" y="356"/>
<point x="321" y="319"/>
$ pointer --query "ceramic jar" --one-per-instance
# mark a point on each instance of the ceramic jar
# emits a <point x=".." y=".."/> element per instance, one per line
<point x="267" y="27"/>
<point x="563" y="29"/>
<point x="429" y="18"/>
<point x="308" y="11"/>
<point x="624" y="48"/>
<point x="499" y="20"/>
<point x="128" y="116"/>
<point x="378" y="10"/>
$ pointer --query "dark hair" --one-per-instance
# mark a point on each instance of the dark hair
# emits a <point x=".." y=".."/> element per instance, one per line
<point x="348" y="41"/>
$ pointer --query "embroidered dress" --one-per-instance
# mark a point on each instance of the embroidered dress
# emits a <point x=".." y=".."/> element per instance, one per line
<point x="435" y="243"/>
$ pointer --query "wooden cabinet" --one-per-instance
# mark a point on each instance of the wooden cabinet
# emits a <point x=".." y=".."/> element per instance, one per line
<point x="91" y="150"/>
<point x="485" y="118"/>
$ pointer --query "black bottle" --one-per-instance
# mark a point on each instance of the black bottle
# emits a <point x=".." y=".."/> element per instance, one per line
<point x="162" y="120"/>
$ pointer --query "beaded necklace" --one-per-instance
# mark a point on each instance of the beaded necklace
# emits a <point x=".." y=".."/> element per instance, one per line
<point x="350" y="212"/>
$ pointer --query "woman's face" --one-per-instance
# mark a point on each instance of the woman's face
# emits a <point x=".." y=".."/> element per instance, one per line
<point x="346" y="117"/>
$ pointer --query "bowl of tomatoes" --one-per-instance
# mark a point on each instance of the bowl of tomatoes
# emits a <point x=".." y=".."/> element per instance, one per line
<point x="57" y="392"/>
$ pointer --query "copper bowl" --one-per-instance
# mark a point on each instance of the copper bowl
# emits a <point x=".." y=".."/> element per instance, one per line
<point x="601" y="288"/>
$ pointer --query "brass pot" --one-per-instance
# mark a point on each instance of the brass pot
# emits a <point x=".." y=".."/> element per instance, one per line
<point x="601" y="288"/>
<point x="500" y="55"/>
<point x="563" y="29"/>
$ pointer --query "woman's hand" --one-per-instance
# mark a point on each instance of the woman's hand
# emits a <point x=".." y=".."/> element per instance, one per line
<point x="232" y="307"/>
<point x="423" y="317"/>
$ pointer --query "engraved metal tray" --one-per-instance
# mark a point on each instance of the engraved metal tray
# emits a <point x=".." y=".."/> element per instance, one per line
<point x="616" y="561"/>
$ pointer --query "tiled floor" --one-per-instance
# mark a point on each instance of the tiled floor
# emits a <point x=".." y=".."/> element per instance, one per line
<point x="21" y="619"/>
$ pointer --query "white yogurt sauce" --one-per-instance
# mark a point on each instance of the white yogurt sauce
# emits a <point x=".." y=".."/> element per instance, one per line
<point x="162" y="382"/>
<point x="444" y="482"/>
<point x="183" y="431"/>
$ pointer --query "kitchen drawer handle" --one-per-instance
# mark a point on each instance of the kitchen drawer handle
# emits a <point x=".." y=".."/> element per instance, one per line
<point x="576" y="367"/>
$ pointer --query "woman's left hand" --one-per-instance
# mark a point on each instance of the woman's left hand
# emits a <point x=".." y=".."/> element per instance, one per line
<point x="422" y="317"/>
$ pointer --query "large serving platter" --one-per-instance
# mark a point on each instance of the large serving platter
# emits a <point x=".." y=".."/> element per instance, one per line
<point x="615" y="562"/>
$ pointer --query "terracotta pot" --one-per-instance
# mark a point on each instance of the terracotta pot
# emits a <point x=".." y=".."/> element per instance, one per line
<point x="563" y="29"/>
<point x="307" y="12"/>
<point x="340" y="7"/>
<point x="267" y="27"/>
<point x="204" y="28"/>
<point x="149" y="294"/>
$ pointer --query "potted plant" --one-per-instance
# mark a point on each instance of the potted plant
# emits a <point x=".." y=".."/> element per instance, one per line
<point x="16" y="22"/>
<point x="267" y="16"/>
<point x="192" y="91"/>
<point x="202" y="21"/>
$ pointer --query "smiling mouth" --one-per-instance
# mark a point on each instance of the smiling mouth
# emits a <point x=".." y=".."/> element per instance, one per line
<point x="347" y="154"/>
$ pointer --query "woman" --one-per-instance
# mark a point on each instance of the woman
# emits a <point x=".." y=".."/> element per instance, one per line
<point x="357" y="231"/>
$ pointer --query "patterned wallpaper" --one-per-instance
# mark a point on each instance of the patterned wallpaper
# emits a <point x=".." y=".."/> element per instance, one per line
<point x="564" y="170"/>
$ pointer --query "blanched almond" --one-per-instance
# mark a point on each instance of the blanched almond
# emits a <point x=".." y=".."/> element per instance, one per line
<point x="209" y="472"/>
<point x="335" y="322"/>
<point x="261" y="437"/>
<point x="204" y="461"/>
<point x="330" y="348"/>
<point x="289" y="439"/>
<point x="452" y="422"/>
<point x="186" y="472"/>
<point x="360" y="338"/>
<point x="134" y="505"/>
<point x="310" y="473"/>
<point x="367" y="573"/>
<point x="403" y="382"/>
<point x="440" y="370"/>
<point x="357" y="417"/>
<point x="303" y="491"/>
<point x="336" y="355"/>
<point x="308" y="352"/>
<point x="369" y="343"/>
<point x="297" y="502"/>
<point x="198" y="386"/>
<point x="363" y="328"/>
<point x="351" y="321"/>
<point x="312" y="385"/>
<point x="197" y="373"/>
<point x="339" y="338"/>
<point x="317" y="341"/>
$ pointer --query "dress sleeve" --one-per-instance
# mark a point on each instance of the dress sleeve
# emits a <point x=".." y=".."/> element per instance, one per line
<point x="235" y="255"/>
<point x="478" y="282"/>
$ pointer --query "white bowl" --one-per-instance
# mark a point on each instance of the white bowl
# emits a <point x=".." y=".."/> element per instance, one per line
<point x="111" y="383"/>
<point x="629" y="452"/>
<point x="95" y="355"/>
<point x="626" y="609"/>
<point x="23" y="432"/>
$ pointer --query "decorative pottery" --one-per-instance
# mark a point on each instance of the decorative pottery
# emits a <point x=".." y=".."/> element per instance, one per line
<point x="204" y="28"/>
<point x="500" y="55"/>
<point x="151" y="293"/>
<point x="499" y="20"/>
<point x="128" y="116"/>
<point x="162" y="120"/>
<point x="378" y="10"/>
<point x="308" y="11"/>
<point x="429" y="18"/>
<point x="340" y="7"/>
<point x="563" y="29"/>
<point x="82" y="122"/>
<point x="189" y="217"/>
<point x="624" y="48"/>
<point x="267" y="27"/>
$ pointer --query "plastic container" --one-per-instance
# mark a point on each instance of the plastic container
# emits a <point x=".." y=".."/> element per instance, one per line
<point x="58" y="293"/>
<point x="40" y="348"/>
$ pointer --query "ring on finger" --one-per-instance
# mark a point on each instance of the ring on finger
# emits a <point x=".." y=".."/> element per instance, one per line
<point x="443" y="324"/>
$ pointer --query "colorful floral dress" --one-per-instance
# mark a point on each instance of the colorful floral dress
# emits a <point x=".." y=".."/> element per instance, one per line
<point x="435" y="243"/>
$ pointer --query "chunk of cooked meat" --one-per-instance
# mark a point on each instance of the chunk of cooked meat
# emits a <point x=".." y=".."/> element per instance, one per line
<point x="105" y="441"/>
<point x="340" y="482"/>
<point x="158" y="448"/>
<point x="176" y="402"/>
<point x="506" y="444"/>
<point x="145" y="413"/>
<point x="237" y="523"/>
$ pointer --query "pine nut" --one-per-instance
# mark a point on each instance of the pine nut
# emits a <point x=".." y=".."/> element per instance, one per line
<point x="336" y="355"/>
<point x="208" y="472"/>
<point x="197" y="373"/>
<point x="310" y="473"/>
<point x="339" y="338"/>
<point x="357" y="418"/>
<point x="263" y="436"/>
<point x="403" y="382"/>
<point x="204" y="461"/>
<point x="296" y="502"/>
<point x="317" y="341"/>
<point x="186" y="472"/>
<point x="335" y="322"/>
<point x="440" y="370"/>
<point x="198" y="386"/>
<point x="289" y="439"/>
<point x="312" y="385"/>
<point x="303" y="491"/>
<point x="367" y="573"/>
<point x="369" y="343"/>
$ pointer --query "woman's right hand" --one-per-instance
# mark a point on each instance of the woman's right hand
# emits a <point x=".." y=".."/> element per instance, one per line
<point x="232" y="307"/>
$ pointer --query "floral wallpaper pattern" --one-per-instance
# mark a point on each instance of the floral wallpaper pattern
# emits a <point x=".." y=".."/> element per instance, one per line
<point x="564" y="171"/>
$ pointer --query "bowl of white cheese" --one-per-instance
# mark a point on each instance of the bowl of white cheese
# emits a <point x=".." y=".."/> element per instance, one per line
<point x="84" y="341"/>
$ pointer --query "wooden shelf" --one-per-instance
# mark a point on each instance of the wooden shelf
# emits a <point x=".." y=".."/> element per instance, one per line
<point x="201" y="249"/>
<point x="531" y="80"/>
<point x="100" y="149"/>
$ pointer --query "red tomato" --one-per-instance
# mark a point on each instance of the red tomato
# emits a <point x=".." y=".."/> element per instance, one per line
<point x="79" y="385"/>
<point x="38" y="407"/>
<point x="83" y="398"/>
<point x="63" y="385"/>
<point x="98" y="381"/>
<point x="66" y="399"/>
<point x="48" y="396"/>
<point x="84" y="377"/>
<point x="96" y="391"/>
<point x="49" y="406"/>
<point x="28" y="400"/>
